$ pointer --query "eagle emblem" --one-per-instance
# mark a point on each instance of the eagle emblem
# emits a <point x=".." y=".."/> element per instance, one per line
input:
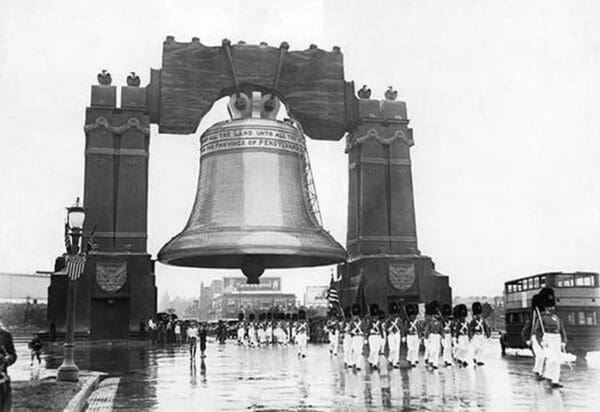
<point x="111" y="276"/>
<point x="402" y="276"/>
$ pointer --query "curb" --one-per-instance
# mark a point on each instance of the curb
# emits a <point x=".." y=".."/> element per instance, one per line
<point x="77" y="404"/>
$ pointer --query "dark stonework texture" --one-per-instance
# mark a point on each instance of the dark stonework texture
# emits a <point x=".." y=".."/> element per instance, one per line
<point x="384" y="263"/>
<point x="117" y="288"/>
<point x="193" y="76"/>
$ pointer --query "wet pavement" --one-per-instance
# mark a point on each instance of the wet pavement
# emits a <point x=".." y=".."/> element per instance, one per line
<point x="240" y="378"/>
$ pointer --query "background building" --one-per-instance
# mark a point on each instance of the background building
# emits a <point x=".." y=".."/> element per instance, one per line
<point x="23" y="287"/>
<point x="315" y="296"/>
<point x="226" y="298"/>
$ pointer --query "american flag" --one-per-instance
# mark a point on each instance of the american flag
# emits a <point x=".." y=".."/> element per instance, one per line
<point x="67" y="239"/>
<point x="332" y="293"/>
<point x="74" y="266"/>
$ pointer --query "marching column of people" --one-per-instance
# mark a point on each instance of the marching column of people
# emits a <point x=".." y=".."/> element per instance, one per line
<point x="446" y="333"/>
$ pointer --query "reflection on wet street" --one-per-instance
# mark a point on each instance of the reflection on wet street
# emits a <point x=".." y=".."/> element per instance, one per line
<point x="235" y="378"/>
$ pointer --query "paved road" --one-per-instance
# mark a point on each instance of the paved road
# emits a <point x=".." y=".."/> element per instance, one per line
<point x="240" y="378"/>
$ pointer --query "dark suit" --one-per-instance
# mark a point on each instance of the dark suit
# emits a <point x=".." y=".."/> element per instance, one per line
<point x="7" y="358"/>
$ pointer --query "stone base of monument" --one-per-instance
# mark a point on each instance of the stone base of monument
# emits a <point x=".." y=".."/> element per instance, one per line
<point x="115" y="292"/>
<point x="384" y="279"/>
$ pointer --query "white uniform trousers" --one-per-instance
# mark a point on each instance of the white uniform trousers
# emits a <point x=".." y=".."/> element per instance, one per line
<point x="269" y="335"/>
<point x="252" y="336"/>
<point x="334" y="341"/>
<point x="462" y="350"/>
<point x="434" y="348"/>
<point x="447" y="348"/>
<point x="477" y="342"/>
<point x="412" y="344"/>
<point x="551" y="344"/>
<point x="427" y="352"/>
<point x="539" y="356"/>
<point x="301" y="341"/>
<point x="393" y="340"/>
<point x="356" y="352"/>
<point x="347" y="347"/>
<point x="375" y="342"/>
<point x="240" y="335"/>
<point x="284" y="337"/>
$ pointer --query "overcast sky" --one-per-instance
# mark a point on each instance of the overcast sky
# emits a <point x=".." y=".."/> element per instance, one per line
<point x="501" y="97"/>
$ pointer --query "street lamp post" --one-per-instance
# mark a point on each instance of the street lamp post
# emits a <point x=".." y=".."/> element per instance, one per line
<point x="68" y="370"/>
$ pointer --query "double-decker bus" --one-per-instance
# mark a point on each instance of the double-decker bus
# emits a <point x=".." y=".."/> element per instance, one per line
<point x="577" y="305"/>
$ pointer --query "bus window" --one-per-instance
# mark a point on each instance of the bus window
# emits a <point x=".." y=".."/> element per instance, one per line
<point x="536" y="282"/>
<point x="513" y="318"/>
<point x="565" y="281"/>
<point x="542" y="281"/>
<point x="581" y="318"/>
<point x="584" y="280"/>
<point x="590" y="318"/>
<point x="570" y="318"/>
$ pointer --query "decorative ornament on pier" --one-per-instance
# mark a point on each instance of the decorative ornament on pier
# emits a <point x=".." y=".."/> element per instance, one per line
<point x="104" y="78"/>
<point x="111" y="276"/>
<point x="133" y="80"/>
<point x="354" y="140"/>
<point x="402" y="275"/>
<point x="364" y="92"/>
<point x="132" y="123"/>
<point x="391" y="94"/>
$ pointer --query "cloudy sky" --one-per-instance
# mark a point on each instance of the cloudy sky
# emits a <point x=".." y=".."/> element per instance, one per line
<point x="501" y="96"/>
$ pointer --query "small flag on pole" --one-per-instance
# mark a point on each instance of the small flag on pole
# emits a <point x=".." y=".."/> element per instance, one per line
<point x="67" y="239"/>
<point x="332" y="293"/>
<point x="75" y="265"/>
<point x="89" y="245"/>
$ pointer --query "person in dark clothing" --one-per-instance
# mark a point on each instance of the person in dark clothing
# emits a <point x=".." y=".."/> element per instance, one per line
<point x="35" y="346"/>
<point x="202" y="337"/>
<point x="8" y="356"/>
<point x="221" y="332"/>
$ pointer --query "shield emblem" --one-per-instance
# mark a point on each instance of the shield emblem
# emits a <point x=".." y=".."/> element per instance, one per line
<point x="111" y="276"/>
<point x="402" y="275"/>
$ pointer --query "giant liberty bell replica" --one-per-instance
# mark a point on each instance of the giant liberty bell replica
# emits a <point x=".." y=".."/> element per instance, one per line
<point x="255" y="208"/>
<point x="255" y="205"/>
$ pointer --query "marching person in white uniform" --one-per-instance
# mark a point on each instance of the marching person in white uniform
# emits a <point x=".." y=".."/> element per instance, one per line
<point x="241" y="330"/>
<point x="528" y="336"/>
<point x="447" y="325"/>
<point x="333" y="333"/>
<point x="375" y="337"/>
<point x="357" y="330"/>
<point x="302" y="334"/>
<point x="433" y="334"/>
<point x="461" y="334"/>
<point x="413" y="333"/>
<point x="550" y="331"/>
<point x="479" y="332"/>
<point x="394" y="327"/>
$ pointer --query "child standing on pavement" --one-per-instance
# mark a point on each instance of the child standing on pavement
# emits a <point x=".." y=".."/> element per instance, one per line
<point x="36" y="345"/>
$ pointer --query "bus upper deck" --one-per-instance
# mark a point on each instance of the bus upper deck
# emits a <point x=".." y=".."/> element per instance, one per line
<point x="577" y="304"/>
